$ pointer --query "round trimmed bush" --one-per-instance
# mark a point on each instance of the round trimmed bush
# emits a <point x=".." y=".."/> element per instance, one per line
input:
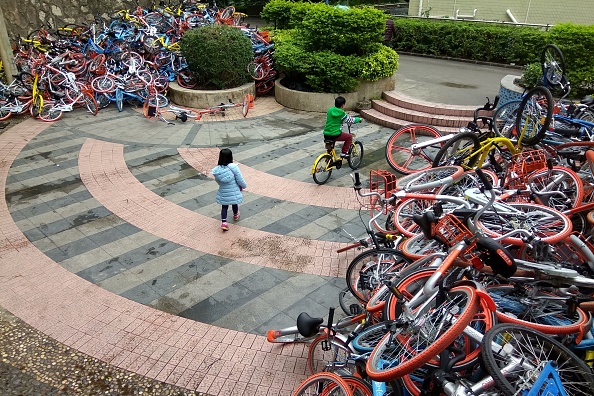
<point x="218" y="55"/>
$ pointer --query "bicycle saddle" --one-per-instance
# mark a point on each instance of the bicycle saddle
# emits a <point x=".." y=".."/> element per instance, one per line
<point x="588" y="100"/>
<point x="308" y="326"/>
<point x="426" y="221"/>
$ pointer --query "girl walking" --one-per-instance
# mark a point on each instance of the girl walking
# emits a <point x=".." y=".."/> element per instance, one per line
<point x="231" y="183"/>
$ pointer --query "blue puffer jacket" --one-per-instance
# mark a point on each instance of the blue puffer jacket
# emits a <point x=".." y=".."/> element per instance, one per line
<point x="229" y="179"/>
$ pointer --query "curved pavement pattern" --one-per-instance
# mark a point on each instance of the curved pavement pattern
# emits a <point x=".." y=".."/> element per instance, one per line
<point x="101" y="226"/>
<point x="109" y="240"/>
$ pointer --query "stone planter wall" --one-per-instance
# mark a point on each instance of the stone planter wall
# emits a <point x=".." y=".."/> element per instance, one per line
<point x="202" y="99"/>
<point x="508" y="91"/>
<point x="320" y="102"/>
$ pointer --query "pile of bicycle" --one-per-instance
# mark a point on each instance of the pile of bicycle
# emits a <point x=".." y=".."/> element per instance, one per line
<point x="131" y="59"/>
<point x="476" y="276"/>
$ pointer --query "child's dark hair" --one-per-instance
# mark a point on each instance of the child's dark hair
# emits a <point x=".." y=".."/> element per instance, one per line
<point x="225" y="157"/>
<point x="339" y="101"/>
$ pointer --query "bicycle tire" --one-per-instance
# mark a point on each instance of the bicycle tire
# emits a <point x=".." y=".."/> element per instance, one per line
<point x="227" y="13"/>
<point x="552" y="64"/>
<point x="368" y="339"/>
<point x="546" y="223"/>
<point x="355" y="157"/>
<point x="186" y="79"/>
<point x="425" y="180"/>
<point x="532" y="349"/>
<point x="103" y="84"/>
<point x="586" y="115"/>
<point x="466" y="181"/>
<point x="404" y="212"/>
<point x="49" y="113"/>
<point x="534" y="116"/>
<point x="418" y="246"/>
<point x="27" y="80"/>
<point x="458" y="150"/>
<point x="404" y="355"/>
<point x="547" y="316"/>
<point x="358" y="386"/>
<point x="346" y="299"/>
<point x="322" y="169"/>
<point x="366" y="270"/>
<point x="482" y="321"/>
<point x="561" y="179"/>
<point x="77" y="64"/>
<point x="119" y="99"/>
<point x="321" y="356"/>
<point x="245" y="105"/>
<point x="90" y="103"/>
<point x="504" y="119"/>
<point x="322" y="384"/>
<point x="256" y="71"/>
<point x="401" y="158"/>
<point x="5" y="112"/>
<point x="36" y="105"/>
<point x="96" y="62"/>
<point x="102" y="100"/>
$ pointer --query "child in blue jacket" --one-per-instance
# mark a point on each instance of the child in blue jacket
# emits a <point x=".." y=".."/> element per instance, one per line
<point x="231" y="183"/>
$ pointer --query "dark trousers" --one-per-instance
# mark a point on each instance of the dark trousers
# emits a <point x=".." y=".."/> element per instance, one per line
<point x="225" y="209"/>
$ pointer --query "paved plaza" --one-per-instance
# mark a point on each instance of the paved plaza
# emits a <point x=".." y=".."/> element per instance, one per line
<point x="110" y="239"/>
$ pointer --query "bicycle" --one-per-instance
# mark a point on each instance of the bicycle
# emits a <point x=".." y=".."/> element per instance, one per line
<point x="326" y="162"/>
<point x="413" y="147"/>
<point x="181" y="113"/>
<point x="222" y="108"/>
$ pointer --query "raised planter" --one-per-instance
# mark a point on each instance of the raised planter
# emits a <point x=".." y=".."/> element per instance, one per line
<point x="509" y="91"/>
<point x="199" y="99"/>
<point x="320" y="102"/>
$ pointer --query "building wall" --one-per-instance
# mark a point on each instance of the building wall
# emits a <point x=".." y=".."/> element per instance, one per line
<point x="23" y="16"/>
<point x="525" y="11"/>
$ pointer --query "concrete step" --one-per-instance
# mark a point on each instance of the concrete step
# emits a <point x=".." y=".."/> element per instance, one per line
<point x="380" y="118"/>
<point x="407" y="102"/>
<point x="420" y="117"/>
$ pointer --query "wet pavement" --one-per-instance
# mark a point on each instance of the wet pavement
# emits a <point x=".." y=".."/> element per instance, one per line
<point x="111" y="248"/>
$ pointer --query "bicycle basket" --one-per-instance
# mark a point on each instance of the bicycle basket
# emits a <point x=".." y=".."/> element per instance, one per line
<point x="450" y="230"/>
<point x="523" y="164"/>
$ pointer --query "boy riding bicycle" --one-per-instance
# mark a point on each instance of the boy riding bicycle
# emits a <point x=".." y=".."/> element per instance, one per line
<point x="335" y="117"/>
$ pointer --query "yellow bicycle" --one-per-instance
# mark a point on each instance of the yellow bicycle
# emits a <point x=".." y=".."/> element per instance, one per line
<point x="330" y="160"/>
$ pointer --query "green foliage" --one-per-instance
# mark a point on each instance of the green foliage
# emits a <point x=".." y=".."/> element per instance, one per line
<point x="470" y="40"/>
<point x="532" y="75"/>
<point x="577" y="44"/>
<point x="333" y="48"/>
<point x="218" y="55"/>
<point x="285" y="14"/>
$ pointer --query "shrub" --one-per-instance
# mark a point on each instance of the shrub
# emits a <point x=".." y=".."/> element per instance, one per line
<point x="333" y="48"/>
<point x="218" y="55"/>
<point x="532" y="75"/>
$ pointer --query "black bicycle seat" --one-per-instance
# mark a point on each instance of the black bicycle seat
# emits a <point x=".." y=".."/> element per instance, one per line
<point x="308" y="326"/>
<point x="425" y="221"/>
<point x="588" y="100"/>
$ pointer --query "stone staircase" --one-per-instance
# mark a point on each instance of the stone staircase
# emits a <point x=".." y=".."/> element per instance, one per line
<point x="396" y="110"/>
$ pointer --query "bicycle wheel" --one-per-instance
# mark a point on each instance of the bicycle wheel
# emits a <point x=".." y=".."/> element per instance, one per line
<point x="538" y="311"/>
<point x="256" y="71"/>
<point x="119" y="99"/>
<point x="527" y="352"/>
<point x="587" y="115"/>
<point x="358" y="386"/>
<point x="482" y="321"/>
<point x="245" y="105"/>
<point x="355" y="157"/>
<point x="544" y="222"/>
<point x="405" y="160"/>
<point x="552" y="63"/>
<point x="327" y="355"/>
<point x="5" y="112"/>
<point x="504" y="119"/>
<point x="227" y="13"/>
<point x="90" y="103"/>
<point x="403" y="215"/>
<point x="468" y="180"/>
<point x="418" y="246"/>
<point x="49" y="113"/>
<point x="102" y="100"/>
<point x="366" y="272"/>
<point x="322" y="169"/>
<point x="186" y="79"/>
<point x="103" y="84"/>
<point x="369" y="338"/>
<point x="346" y="299"/>
<point x="534" y="116"/>
<point x="429" y="179"/>
<point x="420" y="340"/>
<point x="560" y="179"/>
<point x="323" y="384"/>
<point x="36" y="105"/>
<point x="458" y="151"/>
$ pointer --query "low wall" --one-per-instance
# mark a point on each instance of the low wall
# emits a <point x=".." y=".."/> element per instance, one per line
<point x="320" y="102"/>
<point x="199" y="99"/>
<point x="508" y="91"/>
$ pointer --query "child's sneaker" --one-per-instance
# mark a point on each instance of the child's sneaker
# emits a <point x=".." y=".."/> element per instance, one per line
<point x="224" y="226"/>
<point x="236" y="216"/>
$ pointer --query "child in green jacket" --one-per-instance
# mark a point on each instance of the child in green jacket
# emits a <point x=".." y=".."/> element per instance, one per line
<point x="333" y="128"/>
